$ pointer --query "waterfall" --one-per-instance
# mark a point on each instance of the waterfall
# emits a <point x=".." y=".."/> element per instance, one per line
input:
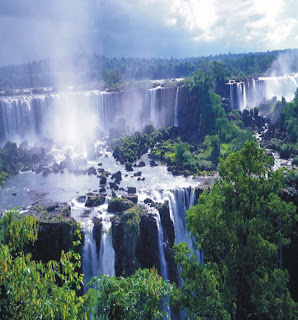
<point x="153" y="107"/>
<point x="66" y="116"/>
<point x="244" y="96"/>
<point x="180" y="200"/>
<point x="161" y="249"/>
<point x="90" y="257"/>
<point x="107" y="252"/>
<point x="176" y="120"/>
<point x="97" y="263"/>
<point x="263" y="88"/>
<point x="232" y="102"/>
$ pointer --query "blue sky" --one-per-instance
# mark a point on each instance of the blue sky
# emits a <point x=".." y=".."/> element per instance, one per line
<point x="37" y="29"/>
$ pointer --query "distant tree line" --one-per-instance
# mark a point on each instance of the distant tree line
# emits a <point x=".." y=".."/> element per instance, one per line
<point x="93" y="68"/>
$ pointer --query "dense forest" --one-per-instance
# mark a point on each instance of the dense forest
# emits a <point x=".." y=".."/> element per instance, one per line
<point x="85" y="68"/>
<point x="245" y="223"/>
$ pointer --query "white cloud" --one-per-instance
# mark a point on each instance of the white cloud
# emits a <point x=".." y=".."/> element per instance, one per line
<point x="146" y="27"/>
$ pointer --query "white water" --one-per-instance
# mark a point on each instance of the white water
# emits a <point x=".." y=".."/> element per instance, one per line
<point x="66" y="117"/>
<point x="58" y="116"/>
<point x="107" y="252"/>
<point x="161" y="249"/>
<point x="90" y="257"/>
<point x="262" y="88"/>
<point x="176" y="119"/>
<point x="96" y="263"/>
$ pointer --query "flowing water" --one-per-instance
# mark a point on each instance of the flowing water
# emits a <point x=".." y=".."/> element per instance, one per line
<point x="252" y="92"/>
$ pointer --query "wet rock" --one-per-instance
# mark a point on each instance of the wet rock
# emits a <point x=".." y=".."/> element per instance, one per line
<point x="148" y="201"/>
<point x="113" y="185"/>
<point x="85" y="214"/>
<point x="100" y="170"/>
<point x="119" y="204"/>
<point x="94" y="200"/>
<point x="141" y="164"/>
<point x="153" y="163"/>
<point x="117" y="176"/>
<point x="102" y="179"/>
<point x="91" y="171"/>
<point x="147" y="252"/>
<point x="132" y="197"/>
<point x="128" y="167"/>
<point x="102" y="189"/>
<point x="81" y="199"/>
<point x="131" y="189"/>
<point x="97" y="229"/>
<point x="50" y="209"/>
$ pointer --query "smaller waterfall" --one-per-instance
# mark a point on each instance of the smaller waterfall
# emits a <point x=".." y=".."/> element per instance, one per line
<point x="106" y="253"/>
<point x="153" y="107"/>
<point x="262" y="88"/>
<point x="161" y="249"/>
<point x="176" y="120"/>
<point x="244" y="96"/>
<point x="232" y="102"/>
<point x="90" y="257"/>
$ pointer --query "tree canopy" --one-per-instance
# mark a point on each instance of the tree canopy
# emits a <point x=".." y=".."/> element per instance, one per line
<point x="240" y="225"/>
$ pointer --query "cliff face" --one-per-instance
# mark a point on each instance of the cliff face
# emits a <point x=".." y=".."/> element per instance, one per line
<point x="189" y="110"/>
<point x="53" y="237"/>
<point x="141" y="251"/>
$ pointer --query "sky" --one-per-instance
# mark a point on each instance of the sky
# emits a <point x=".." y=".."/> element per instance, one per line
<point x="38" y="29"/>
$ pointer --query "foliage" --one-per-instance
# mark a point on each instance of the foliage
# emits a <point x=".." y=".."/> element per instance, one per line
<point x="240" y="225"/>
<point x="93" y="66"/>
<point x="131" y="232"/>
<point x="288" y="119"/>
<point x="50" y="285"/>
<point x="140" y="296"/>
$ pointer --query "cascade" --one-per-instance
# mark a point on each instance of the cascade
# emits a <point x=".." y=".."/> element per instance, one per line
<point x="248" y="95"/>
<point x="161" y="249"/>
<point x="90" y="257"/>
<point x="176" y="120"/>
<point x="58" y="115"/>
<point x="180" y="200"/>
<point x="232" y="102"/>
<point x="244" y="96"/>
<point x="153" y="107"/>
<point x="106" y="253"/>
<point x="103" y="262"/>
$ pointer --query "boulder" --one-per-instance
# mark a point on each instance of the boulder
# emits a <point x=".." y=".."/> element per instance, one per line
<point x="128" y="167"/>
<point x="94" y="200"/>
<point x="117" y="176"/>
<point x="131" y="190"/>
<point x="97" y="229"/>
<point x="132" y="197"/>
<point x="119" y="204"/>
<point x="153" y="163"/>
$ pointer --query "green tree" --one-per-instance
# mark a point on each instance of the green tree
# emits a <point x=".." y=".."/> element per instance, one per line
<point x="31" y="289"/>
<point x="240" y="225"/>
<point x="140" y="296"/>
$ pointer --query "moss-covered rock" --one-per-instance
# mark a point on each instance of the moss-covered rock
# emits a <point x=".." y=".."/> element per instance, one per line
<point x="119" y="204"/>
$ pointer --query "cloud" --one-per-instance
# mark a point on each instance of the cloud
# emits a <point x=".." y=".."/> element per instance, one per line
<point x="35" y="29"/>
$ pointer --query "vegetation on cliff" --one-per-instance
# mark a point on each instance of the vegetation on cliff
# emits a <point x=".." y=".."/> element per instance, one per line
<point x="241" y="225"/>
